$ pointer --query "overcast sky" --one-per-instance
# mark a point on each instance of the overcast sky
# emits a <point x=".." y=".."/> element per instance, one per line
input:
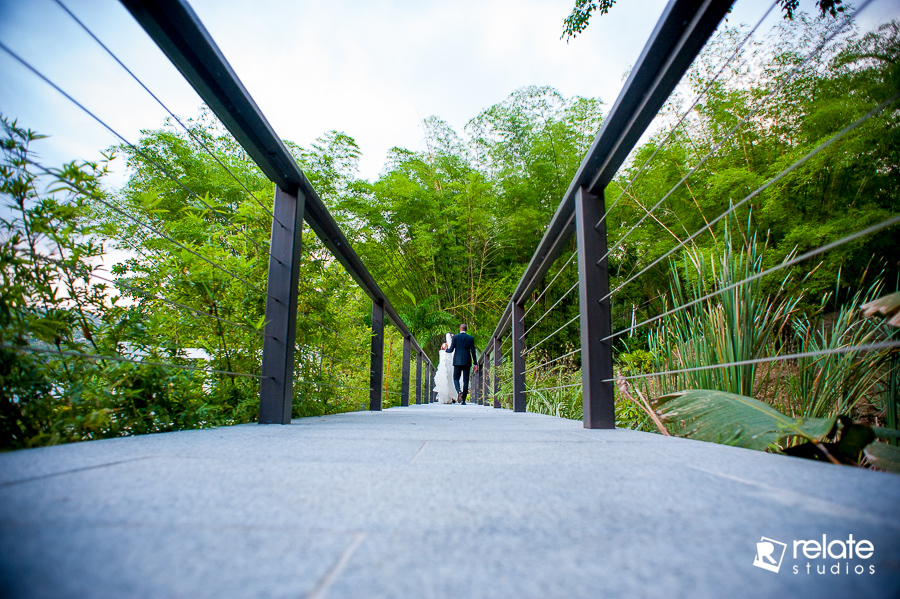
<point x="372" y="69"/>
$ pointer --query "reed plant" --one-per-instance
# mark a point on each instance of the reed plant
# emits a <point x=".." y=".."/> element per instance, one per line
<point x="740" y="324"/>
<point x="748" y="321"/>
<point x="838" y="383"/>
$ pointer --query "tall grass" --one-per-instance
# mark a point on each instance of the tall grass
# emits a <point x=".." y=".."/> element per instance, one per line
<point x="838" y="383"/>
<point x="746" y="322"/>
<point x="734" y="326"/>
<point x="750" y="320"/>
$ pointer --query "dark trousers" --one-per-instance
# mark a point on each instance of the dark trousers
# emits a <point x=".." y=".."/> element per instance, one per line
<point x="464" y="370"/>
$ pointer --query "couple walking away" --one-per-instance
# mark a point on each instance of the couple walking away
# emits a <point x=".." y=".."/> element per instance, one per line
<point x="457" y="356"/>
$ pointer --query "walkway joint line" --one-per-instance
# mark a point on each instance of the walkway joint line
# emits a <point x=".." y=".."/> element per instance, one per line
<point x="322" y="588"/>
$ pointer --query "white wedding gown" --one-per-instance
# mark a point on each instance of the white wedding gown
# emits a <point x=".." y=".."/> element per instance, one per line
<point x="443" y="378"/>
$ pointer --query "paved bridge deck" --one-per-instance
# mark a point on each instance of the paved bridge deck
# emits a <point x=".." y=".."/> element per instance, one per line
<point x="432" y="501"/>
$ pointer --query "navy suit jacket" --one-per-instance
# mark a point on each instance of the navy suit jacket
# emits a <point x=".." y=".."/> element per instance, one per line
<point x="464" y="345"/>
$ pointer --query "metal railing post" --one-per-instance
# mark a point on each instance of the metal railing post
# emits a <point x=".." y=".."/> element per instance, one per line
<point x="418" y="378"/>
<point x="376" y="371"/>
<point x="276" y="390"/>
<point x="593" y="283"/>
<point x="518" y="357"/>
<point x="476" y="387"/>
<point x="486" y="370"/>
<point x="498" y="360"/>
<point x="404" y="385"/>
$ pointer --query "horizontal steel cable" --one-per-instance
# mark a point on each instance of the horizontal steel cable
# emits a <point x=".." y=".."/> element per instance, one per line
<point x="175" y="304"/>
<point x="764" y="187"/>
<point x="812" y="354"/>
<point x="820" y="250"/>
<point x="309" y="348"/>
<point x="156" y="164"/>
<point x="547" y="363"/>
<point x="503" y="341"/>
<point x="535" y="346"/>
<point x="150" y="228"/>
<point x="552" y="388"/>
<point x="734" y="129"/>
<point x="332" y="385"/>
<point x="166" y="108"/>
<point x="564" y="295"/>
<point x="75" y="354"/>
<point x="685" y="114"/>
<point x="351" y="365"/>
<point x="561" y="269"/>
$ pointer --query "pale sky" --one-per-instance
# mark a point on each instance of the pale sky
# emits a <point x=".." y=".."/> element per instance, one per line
<point x="371" y="69"/>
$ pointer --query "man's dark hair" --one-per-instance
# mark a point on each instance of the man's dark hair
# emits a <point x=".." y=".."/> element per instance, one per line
<point x="462" y="327"/>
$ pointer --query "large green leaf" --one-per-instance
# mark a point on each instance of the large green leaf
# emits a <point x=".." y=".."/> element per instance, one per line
<point x="720" y="417"/>
<point x="883" y="456"/>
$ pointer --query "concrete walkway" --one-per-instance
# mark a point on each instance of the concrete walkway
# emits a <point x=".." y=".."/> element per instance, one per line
<point x="434" y="501"/>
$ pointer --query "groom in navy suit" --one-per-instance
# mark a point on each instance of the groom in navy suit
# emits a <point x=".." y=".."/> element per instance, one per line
<point x="464" y="346"/>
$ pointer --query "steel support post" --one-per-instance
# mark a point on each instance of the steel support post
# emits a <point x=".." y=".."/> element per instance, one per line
<point x="476" y="386"/>
<point x="518" y="357"/>
<point x="376" y="371"/>
<point x="486" y="371"/>
<point x="418" y="377"/>
<point x="593" y="284"/>
<point x="404" y="389"/>
<point x="498" y="360"/>
<point x="276" y="390"/>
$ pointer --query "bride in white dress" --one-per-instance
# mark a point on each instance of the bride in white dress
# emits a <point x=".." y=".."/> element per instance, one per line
<point x="443" y="378"/>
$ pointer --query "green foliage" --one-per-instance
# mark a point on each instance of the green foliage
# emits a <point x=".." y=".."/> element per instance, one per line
<point x="744" y="324"/>
<point x="51" y="301"/>
<point x="556" y="392"/>
<point x="580" y="17"/>
<point x="883" y="456"/>
<point x="735" y="326"/>
<point x="447" y="233"/>
<point x="838" y="383"/>
<point x="732" y="419"/>
<point x="637" y="362"/>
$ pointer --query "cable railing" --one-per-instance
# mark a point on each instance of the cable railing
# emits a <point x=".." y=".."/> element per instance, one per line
<point x="268" y="293"/>
<point x="541" y="313"/>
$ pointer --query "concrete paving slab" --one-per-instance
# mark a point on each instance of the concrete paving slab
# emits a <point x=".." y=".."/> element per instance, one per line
<point x="434" y="501"/>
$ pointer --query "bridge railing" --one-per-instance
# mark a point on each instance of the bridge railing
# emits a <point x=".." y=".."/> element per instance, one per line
<point x="178" y="32"/>
<point x="565" y="295"/>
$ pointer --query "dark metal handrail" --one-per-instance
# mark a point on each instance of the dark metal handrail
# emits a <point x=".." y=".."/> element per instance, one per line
<point x="679" y="35"/>
<point x="177" y="30"/>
